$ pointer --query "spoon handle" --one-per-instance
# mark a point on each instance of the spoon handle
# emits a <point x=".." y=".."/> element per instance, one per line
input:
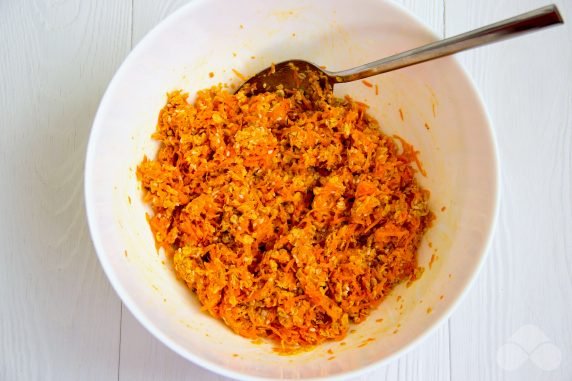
<point x="512" y="27"/>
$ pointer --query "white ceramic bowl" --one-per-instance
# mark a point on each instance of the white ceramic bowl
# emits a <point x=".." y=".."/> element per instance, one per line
<point x="443" y="117"/>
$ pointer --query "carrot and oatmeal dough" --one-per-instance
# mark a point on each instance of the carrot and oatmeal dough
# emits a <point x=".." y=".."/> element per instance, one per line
<point x="288" y="218"/>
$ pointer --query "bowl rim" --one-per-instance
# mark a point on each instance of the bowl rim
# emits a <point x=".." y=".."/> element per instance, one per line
<point x="157" y="332"/>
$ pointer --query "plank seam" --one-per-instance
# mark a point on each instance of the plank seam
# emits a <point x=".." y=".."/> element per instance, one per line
<point x="120" y="325"/>
<point x="450" y="358"/>
<point x="121" y="302"/>
<point x="132" y="16"/>
<point x="444" y="19"/>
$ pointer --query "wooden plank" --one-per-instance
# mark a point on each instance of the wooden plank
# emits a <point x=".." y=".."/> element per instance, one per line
<point x="144" y="358"/>
<point x="59" y="317"/>
<point x="525" y="84"/>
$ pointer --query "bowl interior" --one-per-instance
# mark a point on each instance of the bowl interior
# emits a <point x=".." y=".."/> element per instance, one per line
<point x="434" y="106"/>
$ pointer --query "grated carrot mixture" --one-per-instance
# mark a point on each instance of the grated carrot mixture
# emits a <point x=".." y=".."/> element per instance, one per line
<point x="288" y="218"/>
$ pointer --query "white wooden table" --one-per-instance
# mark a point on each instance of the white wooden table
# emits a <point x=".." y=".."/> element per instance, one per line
<point x="59" y="317"/>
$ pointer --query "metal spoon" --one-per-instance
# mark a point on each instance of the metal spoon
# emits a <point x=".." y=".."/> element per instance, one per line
<point x="299" y="74"/>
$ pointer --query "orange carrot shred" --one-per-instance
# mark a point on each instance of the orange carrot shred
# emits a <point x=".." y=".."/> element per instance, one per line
<point x="367" y="83"/>
<point x="239" y="74"/>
